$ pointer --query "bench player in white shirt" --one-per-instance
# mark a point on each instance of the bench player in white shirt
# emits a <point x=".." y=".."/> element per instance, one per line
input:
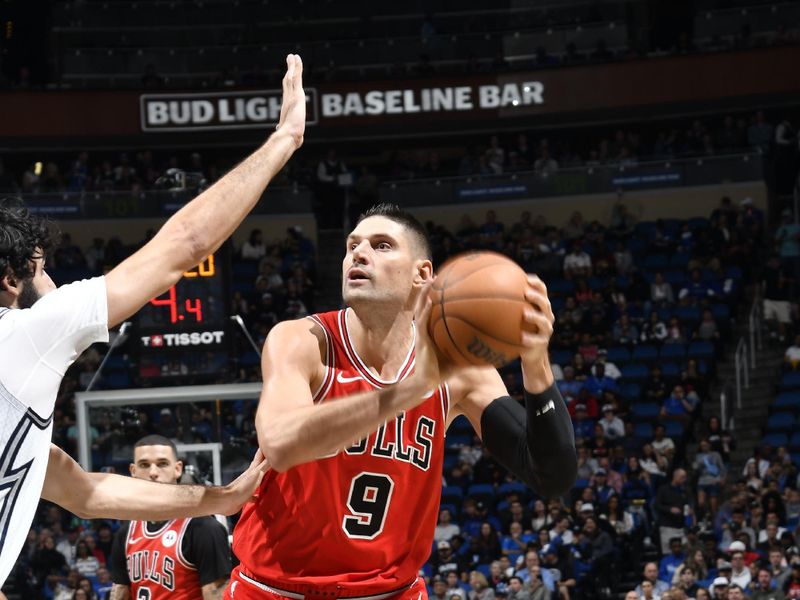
<point x="44" y="329"/>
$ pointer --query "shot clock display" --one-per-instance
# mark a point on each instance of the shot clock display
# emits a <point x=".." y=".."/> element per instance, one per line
<point x="184" y="331"/>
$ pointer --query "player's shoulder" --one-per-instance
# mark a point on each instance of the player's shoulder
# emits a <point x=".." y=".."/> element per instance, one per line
<point x="206" y="528"/>
<point x="301" y="338"/>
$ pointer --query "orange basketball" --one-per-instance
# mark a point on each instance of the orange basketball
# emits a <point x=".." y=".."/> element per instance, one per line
<point x="477" y="313"/>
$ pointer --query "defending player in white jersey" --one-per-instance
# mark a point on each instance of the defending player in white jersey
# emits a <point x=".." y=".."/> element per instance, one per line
<point x="44" y="329"/>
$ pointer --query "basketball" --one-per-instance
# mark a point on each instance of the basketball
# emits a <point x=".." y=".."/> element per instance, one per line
<point x="477" y="313"/>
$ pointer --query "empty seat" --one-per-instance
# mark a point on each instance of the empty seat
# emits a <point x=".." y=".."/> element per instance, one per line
<point x="780" y="422"/>
<point x="701" y="349"/>
<point x="645" y="411"/>
<point x="635" y="372"/>
<point x="645" y="352"/>
<point x="775" y="439"/>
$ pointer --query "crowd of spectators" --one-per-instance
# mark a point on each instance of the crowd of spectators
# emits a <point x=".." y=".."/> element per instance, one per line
<point x="638" y="491"/>
<point x="135" y="172"/>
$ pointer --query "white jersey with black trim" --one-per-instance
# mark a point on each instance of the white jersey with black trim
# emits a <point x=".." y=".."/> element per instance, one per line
<point x="37" y="346"/>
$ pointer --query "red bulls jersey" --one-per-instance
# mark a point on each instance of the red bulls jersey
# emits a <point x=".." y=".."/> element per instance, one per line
<point x="364" y="517"/>
<point x="156" y="566"/>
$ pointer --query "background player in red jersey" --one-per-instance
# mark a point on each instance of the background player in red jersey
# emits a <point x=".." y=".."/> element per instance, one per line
<point x="352" y="418"/>
<point x="182" y="559"/>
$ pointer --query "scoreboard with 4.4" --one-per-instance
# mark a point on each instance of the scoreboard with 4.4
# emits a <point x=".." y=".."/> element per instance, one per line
<point x="184" y="332"/>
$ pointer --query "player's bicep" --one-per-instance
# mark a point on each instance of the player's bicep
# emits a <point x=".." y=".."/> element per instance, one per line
<point x="146" y="274"/>
<point x="472" y="390"/>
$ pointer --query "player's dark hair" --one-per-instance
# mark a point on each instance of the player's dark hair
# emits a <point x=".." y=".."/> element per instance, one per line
<point x="157" y="440"/>
<point x="21" y="235"/>
<point x="394" y="213"/>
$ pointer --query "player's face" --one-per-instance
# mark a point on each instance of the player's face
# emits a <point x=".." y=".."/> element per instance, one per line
<point x="33" y="288"/>
<point x="156" y="463"/>
<point x="382" y="264"/>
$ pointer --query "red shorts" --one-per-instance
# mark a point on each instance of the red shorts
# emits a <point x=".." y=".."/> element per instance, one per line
<point x="242" y="587"/>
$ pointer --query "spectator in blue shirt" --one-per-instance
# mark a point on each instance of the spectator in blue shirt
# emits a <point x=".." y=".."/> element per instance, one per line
<point x="668" y="564"/>
<point x="602" y="491"/>
<point x="516" y="543"/>
<point x="583" y="425"/>
<point x="599" y="382"/>
<point x="532" y="560"/>
<point x="569" y="387"/>
<point x="676" y="407"/>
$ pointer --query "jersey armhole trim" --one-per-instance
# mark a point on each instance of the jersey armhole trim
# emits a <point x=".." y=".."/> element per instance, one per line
<point x="179" y="546"/>
<point x="330" y="360"/>
<point x="445" y="398"/>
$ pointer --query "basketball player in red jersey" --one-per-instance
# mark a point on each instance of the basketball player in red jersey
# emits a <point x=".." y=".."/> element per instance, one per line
<point x="352" y="419"/>
<point x="181" y="559"/>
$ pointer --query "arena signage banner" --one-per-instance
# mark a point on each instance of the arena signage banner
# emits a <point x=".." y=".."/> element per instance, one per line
<point x="246" y="110"/>
<point x="214" y="111"/>
<point x="432" y="99"/>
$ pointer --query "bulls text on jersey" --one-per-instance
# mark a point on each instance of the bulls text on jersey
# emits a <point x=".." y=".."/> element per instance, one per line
<point x="147" y="566"/>
<point x="389" y="442"/>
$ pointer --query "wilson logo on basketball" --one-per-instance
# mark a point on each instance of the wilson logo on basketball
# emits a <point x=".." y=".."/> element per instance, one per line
<point x="482" y="351"/>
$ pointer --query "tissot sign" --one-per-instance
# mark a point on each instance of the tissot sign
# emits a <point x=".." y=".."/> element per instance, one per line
<point x="257" y="109"/>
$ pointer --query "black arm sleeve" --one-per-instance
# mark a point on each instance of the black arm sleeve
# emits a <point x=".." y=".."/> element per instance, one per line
<point x="206" y="546"/>
<point x="118" y="562"/>
<point x="536" y="443"/>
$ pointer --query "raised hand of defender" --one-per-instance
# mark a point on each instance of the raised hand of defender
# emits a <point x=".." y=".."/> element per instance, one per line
<point x="243" y="488"/>
<point x="293" y="108"/>
<point x="539" y="320"/>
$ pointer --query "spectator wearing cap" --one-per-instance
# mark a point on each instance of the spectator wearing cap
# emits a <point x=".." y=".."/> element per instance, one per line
<point x="670" y="562"/>
<point x="582" y="424"/>
<point x="612" y="425"/>
<point x="719" y="588"/>
<point x="602" y="491"/>
<point x="611" y="370"/>
<point x="560" y="566"/>
<point x="740" y="573"/>
<point x="671" y="503"/>
<point x="650" y="575"/>
<point x="764" y="588"/>
<point x="438" y="588"/>
<point x="445" y="560"/>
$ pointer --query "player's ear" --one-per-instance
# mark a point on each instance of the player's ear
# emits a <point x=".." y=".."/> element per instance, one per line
<point x="131" y="469"/>
<point x="9" y="284"/>
<point x="178" y="469"/>
<point x="424" y="272"/>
